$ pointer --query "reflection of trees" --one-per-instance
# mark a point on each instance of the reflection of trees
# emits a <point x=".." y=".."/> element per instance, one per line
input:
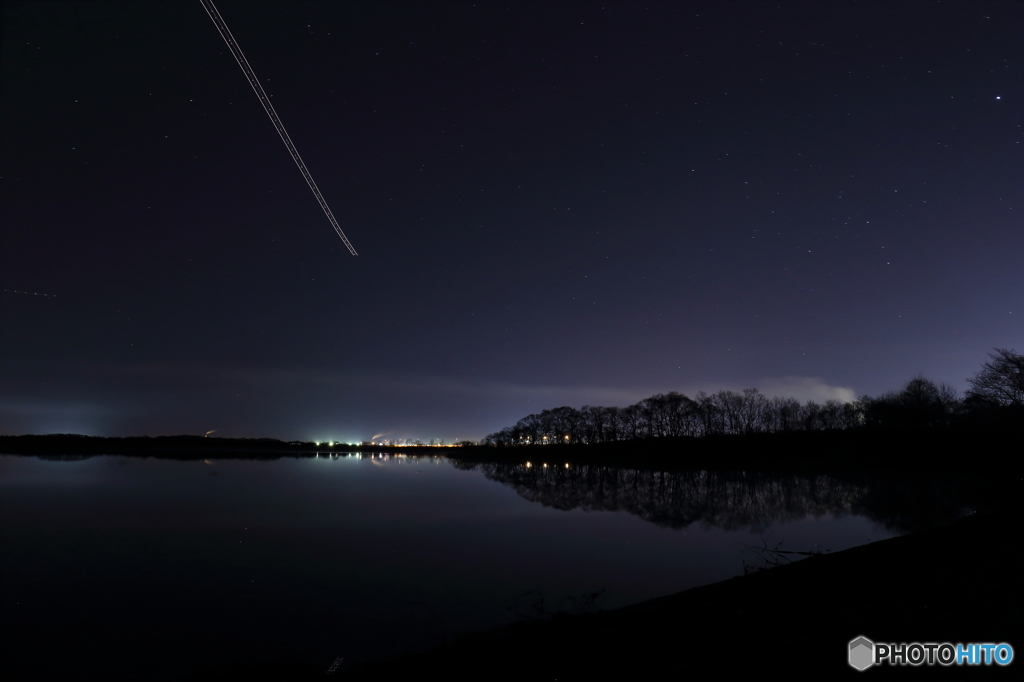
<point x="731" y="500"/>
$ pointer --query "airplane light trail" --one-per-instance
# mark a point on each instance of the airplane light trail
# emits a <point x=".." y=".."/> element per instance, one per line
<point x="229" y="39"/>
<point x="29" y="293"/>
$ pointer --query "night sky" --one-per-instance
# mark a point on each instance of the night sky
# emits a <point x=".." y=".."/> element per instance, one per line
<point x="553" y="204"/>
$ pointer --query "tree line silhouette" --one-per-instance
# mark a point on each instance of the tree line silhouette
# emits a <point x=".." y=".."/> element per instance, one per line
<point x="995" y="397"/>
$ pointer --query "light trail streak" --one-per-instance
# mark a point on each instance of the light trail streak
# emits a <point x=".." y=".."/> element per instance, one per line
<point x="29" y="293"/>
<point x="229" y="39"/>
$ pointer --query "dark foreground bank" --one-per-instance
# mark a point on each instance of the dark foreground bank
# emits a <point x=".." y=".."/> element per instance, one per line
<point x="959" y="584"/>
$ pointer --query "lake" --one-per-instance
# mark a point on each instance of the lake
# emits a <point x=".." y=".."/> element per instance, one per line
<point x="127" y="567"/>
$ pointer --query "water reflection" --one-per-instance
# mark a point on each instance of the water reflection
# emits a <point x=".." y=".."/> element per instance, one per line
<point x="729" y="500"/>
<point x="314" y="557"/>
<point x="741" y="500"/>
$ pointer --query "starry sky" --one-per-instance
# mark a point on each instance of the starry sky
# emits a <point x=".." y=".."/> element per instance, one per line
<point x="553" y="204"/>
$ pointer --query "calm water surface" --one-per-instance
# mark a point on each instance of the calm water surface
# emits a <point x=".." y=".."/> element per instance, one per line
<point x="116" y="567"/>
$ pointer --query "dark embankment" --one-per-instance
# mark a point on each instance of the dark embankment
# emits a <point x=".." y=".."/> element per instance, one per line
<point x="959" y="583"/>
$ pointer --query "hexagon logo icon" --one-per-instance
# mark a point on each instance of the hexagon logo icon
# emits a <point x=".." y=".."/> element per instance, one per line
<point x="862" y="653"/>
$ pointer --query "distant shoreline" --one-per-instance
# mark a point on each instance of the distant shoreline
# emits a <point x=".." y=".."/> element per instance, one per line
<point x="848" y="450"/>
